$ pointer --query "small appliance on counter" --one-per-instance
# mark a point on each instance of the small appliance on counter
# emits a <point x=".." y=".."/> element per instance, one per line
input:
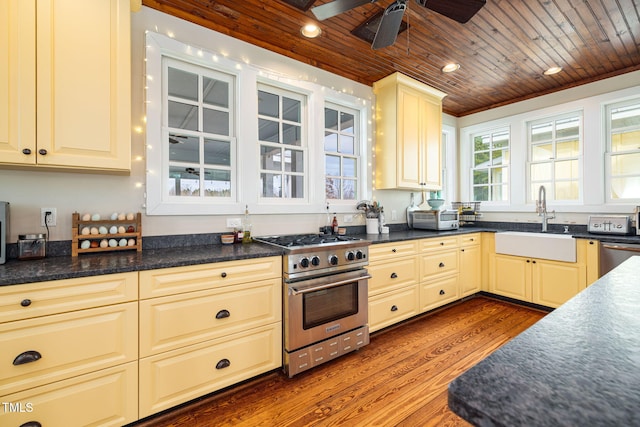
<point x="637" y="217"/>
<point x="435" y="219"/>
<point x="4" y="230"/>
<point x="609" y="224"/>
<point x="32" y="246"/>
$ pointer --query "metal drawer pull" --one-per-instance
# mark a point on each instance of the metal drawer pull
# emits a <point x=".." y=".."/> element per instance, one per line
<point x="394" y="250"/>
<point x="42" y="152"/>
<point x="394" y="276"/>
<point x="26" y="151"/>
<point x="223" y="314"/>
<point x="25" y="302"/>
<point x="441" y="265"/>
<point x="223" y="275"/>
<point x="31" y="424"/>
<point x="224" y="363"/>
<point x="441" y="291"/>
<point x="394" y="308"/>
<point x="27" y="357"/>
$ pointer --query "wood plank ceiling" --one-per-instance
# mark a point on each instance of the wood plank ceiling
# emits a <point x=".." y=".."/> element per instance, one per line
<point x="502" y="51"/>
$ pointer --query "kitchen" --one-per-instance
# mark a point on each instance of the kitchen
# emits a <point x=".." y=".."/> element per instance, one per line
<point x="28" y="191"/>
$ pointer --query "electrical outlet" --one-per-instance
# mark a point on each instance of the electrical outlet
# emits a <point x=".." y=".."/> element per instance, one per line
<point x="234" y="223"/>
<point x="394" y="215"/>
<point x="51" y="218"/>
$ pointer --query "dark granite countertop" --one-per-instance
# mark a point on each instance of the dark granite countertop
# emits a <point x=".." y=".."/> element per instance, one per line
<point x="578" y="366"/>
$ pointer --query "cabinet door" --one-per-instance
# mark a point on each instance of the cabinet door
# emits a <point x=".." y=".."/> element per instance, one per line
<point x="511" y="277"/>
<point x="554" y="283"/>
<point x="470" y="270"/>
<point x="83" y="80"/>
<point x="431" y="128"/>
<point x="410" y="138"/>
<point x="17" y="80"/>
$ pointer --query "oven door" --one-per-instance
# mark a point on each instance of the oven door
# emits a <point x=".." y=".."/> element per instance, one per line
<point x="320" y="308"/>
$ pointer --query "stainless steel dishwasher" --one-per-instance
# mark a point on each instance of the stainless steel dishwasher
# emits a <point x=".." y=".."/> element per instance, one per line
<point x="613" y="254"/>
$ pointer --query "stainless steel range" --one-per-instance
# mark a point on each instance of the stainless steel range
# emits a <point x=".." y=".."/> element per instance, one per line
<point x="325" y="291"/>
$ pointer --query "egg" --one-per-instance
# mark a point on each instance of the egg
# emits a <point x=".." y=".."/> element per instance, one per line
<point x="94" y="230"/>
<point x="114" y="216"/>
<point x="85" y="231"/>
<point x="95" y="217"/>
<point x="113" y="243"/>
<point x="130" y="216"/>
<point x="131" y="242"/>
<point x="122" y="242"/>
<point x="85" y="244"/>
<point x="102" y="229"/>
<point x="122" y="216"/>
<point x="95" y="244"/>
<point x="121" y="229"/>
<point x="113" y="229"/>
<point x="131" y="229"/>
<point x="86" y="217"/>
<point x="104" y="243"/>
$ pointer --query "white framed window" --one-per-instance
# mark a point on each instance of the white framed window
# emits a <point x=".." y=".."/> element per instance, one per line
<point x="342" y="157"/>
<point x="623" y="152"/>
<point x="490" y="165"/>
<point x="554" y="156"/>
<point x="283" y="144"/>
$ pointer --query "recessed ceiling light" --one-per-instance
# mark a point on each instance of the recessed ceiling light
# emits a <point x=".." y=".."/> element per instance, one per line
<point x="311" y="31"/>
<point x="450" y="68"/>
<point x="552" y="70"/>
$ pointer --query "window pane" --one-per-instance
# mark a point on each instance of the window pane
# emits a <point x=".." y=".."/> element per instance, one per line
<point x="567" y="149"/>
<point x="349" y="189"/>
<point x="349" y="166"/>
<point x="499" y="175"/>
<point x="332" y="188"/>
<point x="330" y="119"/>
<point x="541" y="172"/>
<point x="499" y="157"/>
<point x="332" y="165"/>
<point x="481" y="142"/>
<point x="567" y="169"/>
<point x="628" y="116"/>
<point x="270" y="158"/>
<point x="481" y="159"/>
<point x="481" y="176"/>
<point x="347" y="144"/>
<point x="568" y="128"/>
<point x="535" y="188"/>
<point x="294" y="186"/>
<point x="625" y="164"/>
<point x="346" y="122"/>
<point x="501" y="140"/>
<point x="268" y="104"/>
<point x="184" y="181"/>
<point x="215" y="92"/>
<point x="291" y="134"/>
<point x="331" y="142"/>
<point x="217" y="183"/>
<point x="566" y="190"/>
<point x="294" y="161"/>
<point x="271" y="184"/>
<point x="217" y="152"/>
<point x="268" y="131"/>
<point x="182" y="116"/>
<point x="184" y="148"/>
<point x="625" y="188"/>
<point x="481" y="193"/>
<point x="542" y="132"/>
<point x="625" y="141"/>
<point x="291" y="109"/>
<point x="182" y="84"/>
<point x="541" y="152"/>
<point x="499" y="193"/>
<point x="215" y="121"/>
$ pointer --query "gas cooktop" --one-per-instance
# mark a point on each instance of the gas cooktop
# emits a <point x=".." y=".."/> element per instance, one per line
<point x="307" y="240"/>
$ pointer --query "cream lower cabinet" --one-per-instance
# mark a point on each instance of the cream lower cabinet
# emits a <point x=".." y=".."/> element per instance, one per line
<point x="470" y="264"/>
<point x="70" y="352"/>
<point x="393" y="287"/>
<point x="205" y="327"/>
<point x="540" y="281"/>
<point x="438" y="272"/>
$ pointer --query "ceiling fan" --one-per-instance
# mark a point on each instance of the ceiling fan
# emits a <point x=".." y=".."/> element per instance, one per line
<point x="458" y="10"/>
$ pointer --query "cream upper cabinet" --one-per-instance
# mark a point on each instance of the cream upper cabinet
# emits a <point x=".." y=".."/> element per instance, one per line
<point x="408" y="134"/>
<point x="73" y="110"/>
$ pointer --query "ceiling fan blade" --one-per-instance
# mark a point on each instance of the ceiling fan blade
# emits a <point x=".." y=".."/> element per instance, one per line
<point x="336" y="7"/>
<point x="389" y="25"/>
<point x="458" y="10"/>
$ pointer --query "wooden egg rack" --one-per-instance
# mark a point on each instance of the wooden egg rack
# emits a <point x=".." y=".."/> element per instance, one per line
<point x="78" y="237"/>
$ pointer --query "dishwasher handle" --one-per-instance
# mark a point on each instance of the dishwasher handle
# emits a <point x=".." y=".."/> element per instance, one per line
<point x="634" y="248"/>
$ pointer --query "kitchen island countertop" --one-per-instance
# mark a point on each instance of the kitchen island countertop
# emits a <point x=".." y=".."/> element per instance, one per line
<point x="578" y="366"/>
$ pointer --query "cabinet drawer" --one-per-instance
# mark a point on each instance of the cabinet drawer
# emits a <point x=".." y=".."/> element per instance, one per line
<point x="177" y="376"/>
<point x="438" y="293"/>
<point x="68" y="344"/>
<point x="394" y="250"/>
<point x="58" y="296"/>
<point x="392" y="307"/>
<point x="439" y="263"/>
<point x="391" y="275"/>
<point x="435" y="243"/>
<point x="167" y="323"/>
<point x="169" y="281"/>
<point x="108" y="397"/>
<point x="470" y="239"/>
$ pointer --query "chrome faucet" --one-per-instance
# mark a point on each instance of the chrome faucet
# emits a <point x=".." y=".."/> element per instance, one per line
<point x="541" y="208"/>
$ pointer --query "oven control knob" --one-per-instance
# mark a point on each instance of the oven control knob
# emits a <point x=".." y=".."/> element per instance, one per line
<point x="304" y="262"/>
<point x="350" y="256"/>
<point x="359" y="255"/>
<point x="315" y="261"/>
<point x="333" y="260"/>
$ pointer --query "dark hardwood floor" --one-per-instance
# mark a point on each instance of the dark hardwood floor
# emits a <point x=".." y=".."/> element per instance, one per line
<point x="399" y="379"/>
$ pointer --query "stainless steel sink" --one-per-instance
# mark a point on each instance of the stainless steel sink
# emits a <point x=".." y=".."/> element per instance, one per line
<point x="556" y="247"/>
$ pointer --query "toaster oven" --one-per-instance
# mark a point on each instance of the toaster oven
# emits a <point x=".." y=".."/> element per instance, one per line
<point x="435" y="220"/>
<point x="4" y="230"/>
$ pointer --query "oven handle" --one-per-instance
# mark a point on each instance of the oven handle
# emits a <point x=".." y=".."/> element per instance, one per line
<point x="297" y="291"/>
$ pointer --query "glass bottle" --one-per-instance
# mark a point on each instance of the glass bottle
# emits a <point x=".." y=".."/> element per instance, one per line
<point x="246" y="226"/>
